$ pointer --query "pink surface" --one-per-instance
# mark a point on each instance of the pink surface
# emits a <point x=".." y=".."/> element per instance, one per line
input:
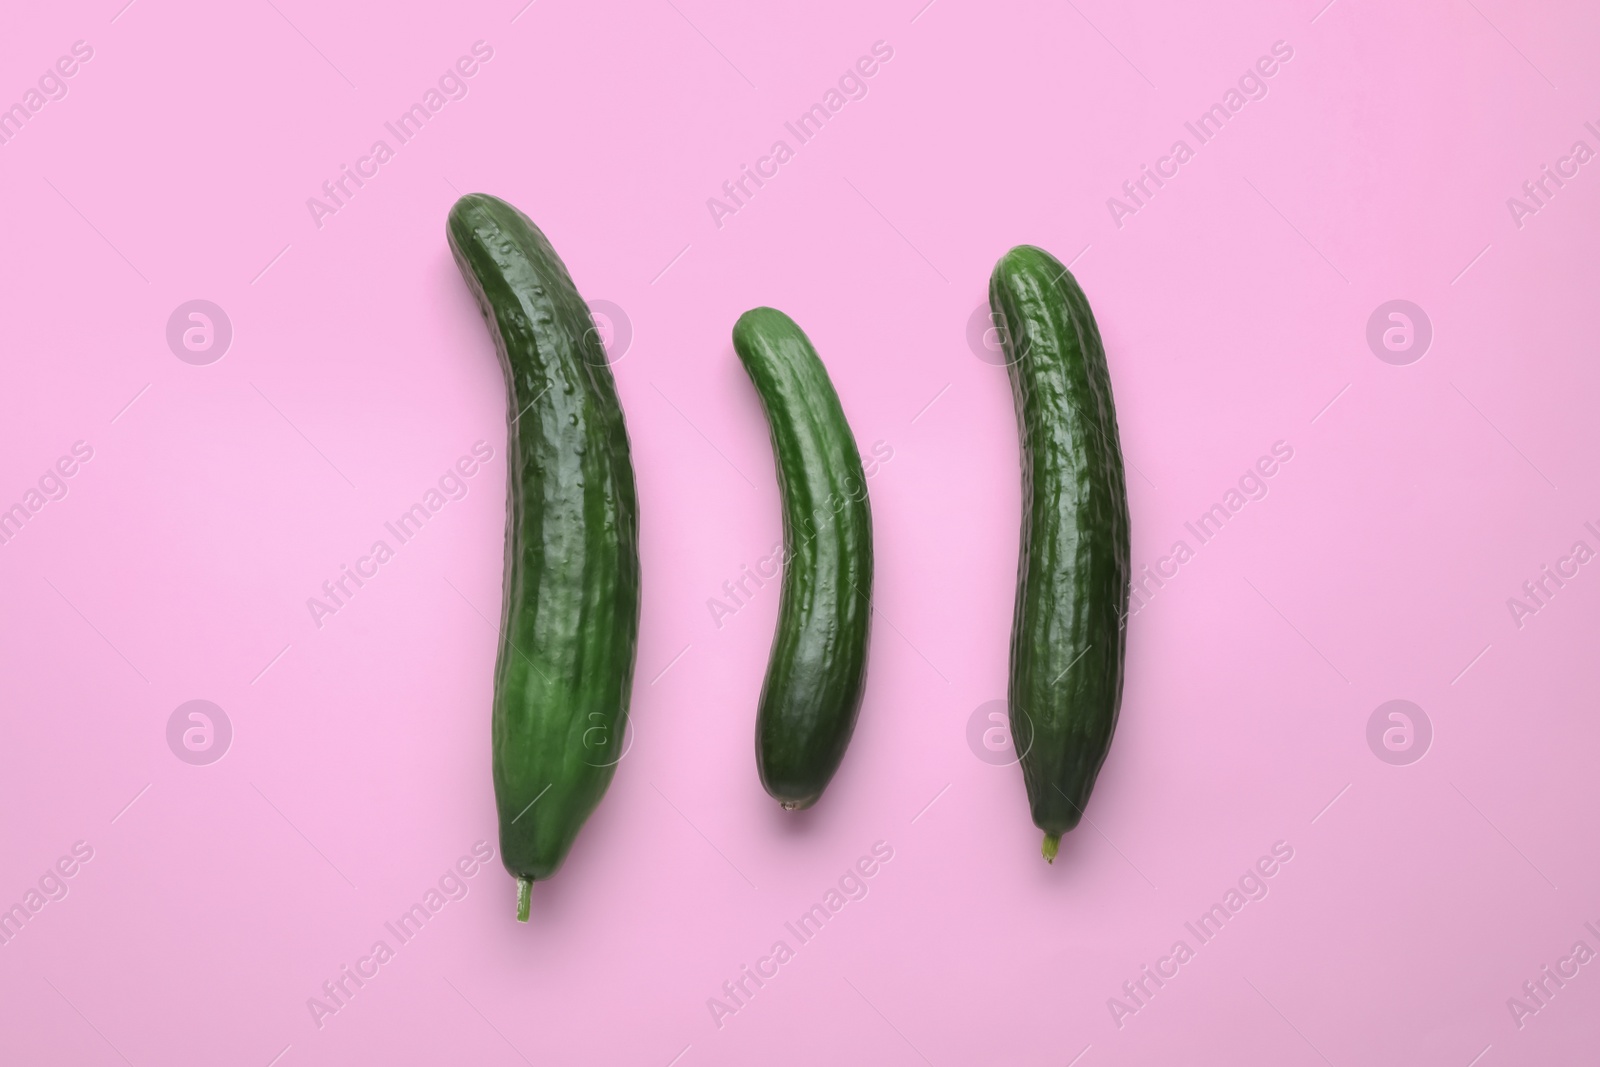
<point x="219" y="495"/>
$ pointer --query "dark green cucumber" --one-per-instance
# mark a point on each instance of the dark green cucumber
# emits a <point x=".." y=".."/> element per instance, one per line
<point x="570" y="617"/>
<point x="1067" y="635"/>
<point x="817" y="670"/>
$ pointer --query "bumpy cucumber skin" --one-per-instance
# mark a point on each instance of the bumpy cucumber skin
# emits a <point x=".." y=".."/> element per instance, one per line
<point x="1068" y="636"/>
<point x="817" y="670"/>
<point x="570" y="617"/>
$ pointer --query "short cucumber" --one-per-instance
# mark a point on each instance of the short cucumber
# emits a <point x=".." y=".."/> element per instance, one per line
<point x="817" y="669"/>
<point x="570" y="617"/>
<point x="1068" y="636"/>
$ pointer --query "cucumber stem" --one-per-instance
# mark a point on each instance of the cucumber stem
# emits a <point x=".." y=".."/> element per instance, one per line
<point x="524" y="898"/>
<point x="1052" y="844"/>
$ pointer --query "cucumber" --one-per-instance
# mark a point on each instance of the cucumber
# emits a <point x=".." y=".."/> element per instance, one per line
<point x="570" y="615"/>
<point x="817" y="669"/>
<point x="1068" y="636"/>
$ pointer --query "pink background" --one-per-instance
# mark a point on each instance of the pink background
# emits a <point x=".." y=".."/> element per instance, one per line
<point x="1234" y="308"/>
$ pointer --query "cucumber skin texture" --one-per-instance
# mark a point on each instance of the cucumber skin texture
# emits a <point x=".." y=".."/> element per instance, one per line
<point x="570" y="614"/>
<point x="817" y="670"/>
<point x="1068" y="637"/>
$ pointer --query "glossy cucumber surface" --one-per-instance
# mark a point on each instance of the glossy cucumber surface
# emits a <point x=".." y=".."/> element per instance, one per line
<point x="570" y="614"/>
<point x="817" y="669"/>
<point x="1068" y="635"/>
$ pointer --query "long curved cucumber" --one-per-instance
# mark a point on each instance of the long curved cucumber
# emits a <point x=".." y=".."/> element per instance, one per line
<point x="817" y="670"/>
<point x="1068" y="636"/>
<point x="570" y="617"/>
